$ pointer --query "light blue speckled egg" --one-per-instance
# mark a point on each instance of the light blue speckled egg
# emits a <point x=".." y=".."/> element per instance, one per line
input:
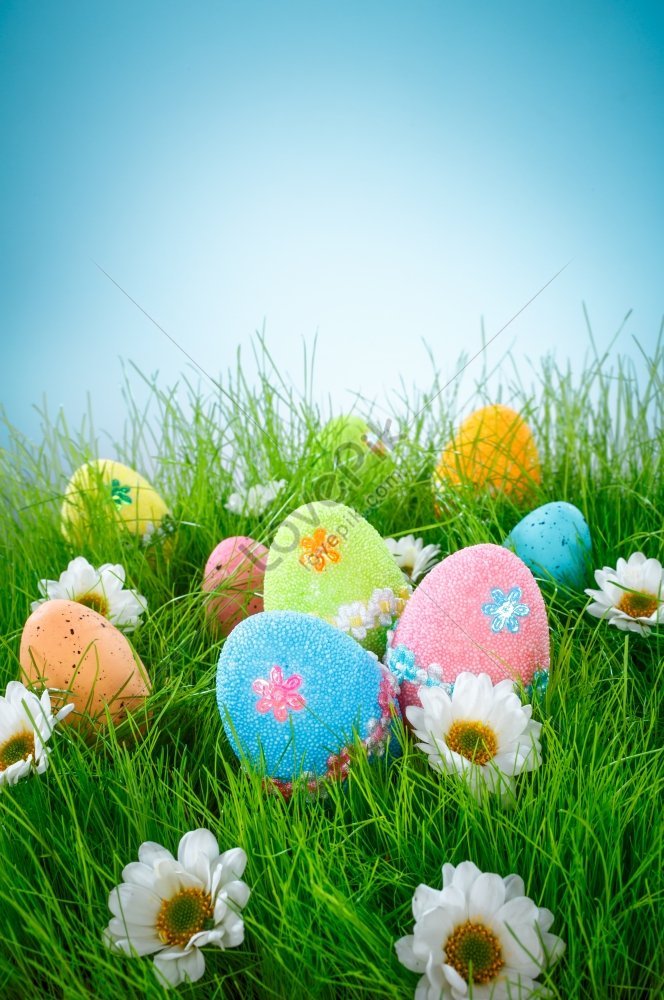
<point x="554" y="542"/>
<point x="292" y="690"/>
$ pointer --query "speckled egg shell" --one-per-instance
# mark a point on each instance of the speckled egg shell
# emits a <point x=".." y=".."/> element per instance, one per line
<point x="480" y="610"/>
<point x="86" y="660"/>
<point x="554" y="542"/>
<point x="234" y="573"/>
<point x="294" y="689"/>
<point x="107" y="489"/>
<point x="324" y="557"/>
<point x="493" y="449"/>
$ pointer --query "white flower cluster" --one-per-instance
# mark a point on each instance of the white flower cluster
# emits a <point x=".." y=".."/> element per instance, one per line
<point x="256" y="499"/>
<point x="156" y="534"/>
<point x="382" y="608"/>
<point x="479" y="936"/>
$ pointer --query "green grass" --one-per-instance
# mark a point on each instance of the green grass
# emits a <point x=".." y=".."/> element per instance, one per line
<point x="332" y="879"/>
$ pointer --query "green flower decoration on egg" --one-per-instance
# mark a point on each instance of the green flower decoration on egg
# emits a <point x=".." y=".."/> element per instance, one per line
<point x="120" y="494"/>
<point x="326" y="560"/>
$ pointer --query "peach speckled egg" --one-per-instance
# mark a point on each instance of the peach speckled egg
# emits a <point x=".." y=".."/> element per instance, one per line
<point x="82" y="658"/>
<point x="234" y="574"/>
<point x="106" y="489"/>
<point x="480" y="610"/>
<point x="493" y="449"/>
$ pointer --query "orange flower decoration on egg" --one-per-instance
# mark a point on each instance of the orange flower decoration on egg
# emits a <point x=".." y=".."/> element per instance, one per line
<point x="318" y="548"/>
<point x="493" y="449"/>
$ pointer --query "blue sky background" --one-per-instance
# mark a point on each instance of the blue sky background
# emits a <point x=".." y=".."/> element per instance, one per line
<point x="382" y="173"/>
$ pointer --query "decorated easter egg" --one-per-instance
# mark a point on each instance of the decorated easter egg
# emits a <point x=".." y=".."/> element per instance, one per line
<point x="348" y="448"/>
<point x="234" y="575"/>
<point x="328" y="561"/>
<point x="493" y="449"/>
<point x="293" y="692"/>
<point x="554" y="542"/>
<point x="106" y="489"/>
<point x="82" y="658"/>
<point x="479" y="610"/>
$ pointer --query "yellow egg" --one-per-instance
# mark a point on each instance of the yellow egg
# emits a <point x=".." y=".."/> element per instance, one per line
<point x="106" y="489"/>
<point x="82" y="658"/>
<point x="493" y="449"/>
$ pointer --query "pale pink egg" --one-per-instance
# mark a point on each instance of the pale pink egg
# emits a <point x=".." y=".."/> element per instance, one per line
<point x="479" y="610"/>
<point x="234" y="574"/>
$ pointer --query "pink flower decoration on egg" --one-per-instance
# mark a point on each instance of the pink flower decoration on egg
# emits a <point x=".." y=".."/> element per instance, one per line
<point x="278" y="695"/>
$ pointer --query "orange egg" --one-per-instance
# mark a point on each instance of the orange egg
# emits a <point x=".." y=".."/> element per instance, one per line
<point x="82" y="658"/>
<point x="493" y="449"/>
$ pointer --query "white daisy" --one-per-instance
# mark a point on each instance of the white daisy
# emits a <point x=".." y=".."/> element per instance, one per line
<point x="26" y="724"/>
<point x="355" y="618"/>
<point x="413" y="556"/>
<point x="479" y="930"/>
<point x="172" y="908"/>
<point x="100" y="589"/>
<point x="631" y="596"/>
<point x="383" y="606"/>
<point x="256" y="499"/>
<point x="480" y="732"/>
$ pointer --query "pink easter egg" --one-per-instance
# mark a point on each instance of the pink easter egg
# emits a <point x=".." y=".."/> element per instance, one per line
<point x="234" y="573"/>
<point x="479" y="610"/>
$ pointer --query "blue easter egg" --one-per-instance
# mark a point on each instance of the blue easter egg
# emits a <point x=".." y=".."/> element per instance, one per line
<point x="554" y="542"/>
<point x="292" y="690"/>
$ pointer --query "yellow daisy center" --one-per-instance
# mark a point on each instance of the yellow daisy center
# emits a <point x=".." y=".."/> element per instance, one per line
<point x="17" y="747"/>
<point x="474" y="950"/>
<point x="356" y="621"/>
<point x="185" y="914"/>
<point x="97" y="602"/>
<point x="473" y="740"/>
<point x="638" y="605"/>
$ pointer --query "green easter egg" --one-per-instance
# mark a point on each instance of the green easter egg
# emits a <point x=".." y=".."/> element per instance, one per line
<point x="326" y="560"/>
<point x="348" y="448"/>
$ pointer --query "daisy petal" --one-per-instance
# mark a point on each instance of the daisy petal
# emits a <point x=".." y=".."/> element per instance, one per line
<point x="149" y="853"/>
<point x="196" y="852"/>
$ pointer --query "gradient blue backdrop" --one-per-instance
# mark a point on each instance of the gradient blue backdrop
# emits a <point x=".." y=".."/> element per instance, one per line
<point x="378" y="172"/>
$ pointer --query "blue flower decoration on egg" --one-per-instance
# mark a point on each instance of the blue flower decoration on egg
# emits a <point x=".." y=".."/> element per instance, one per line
<point x="505" y="609"/>
<point x="401" y="661"/>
